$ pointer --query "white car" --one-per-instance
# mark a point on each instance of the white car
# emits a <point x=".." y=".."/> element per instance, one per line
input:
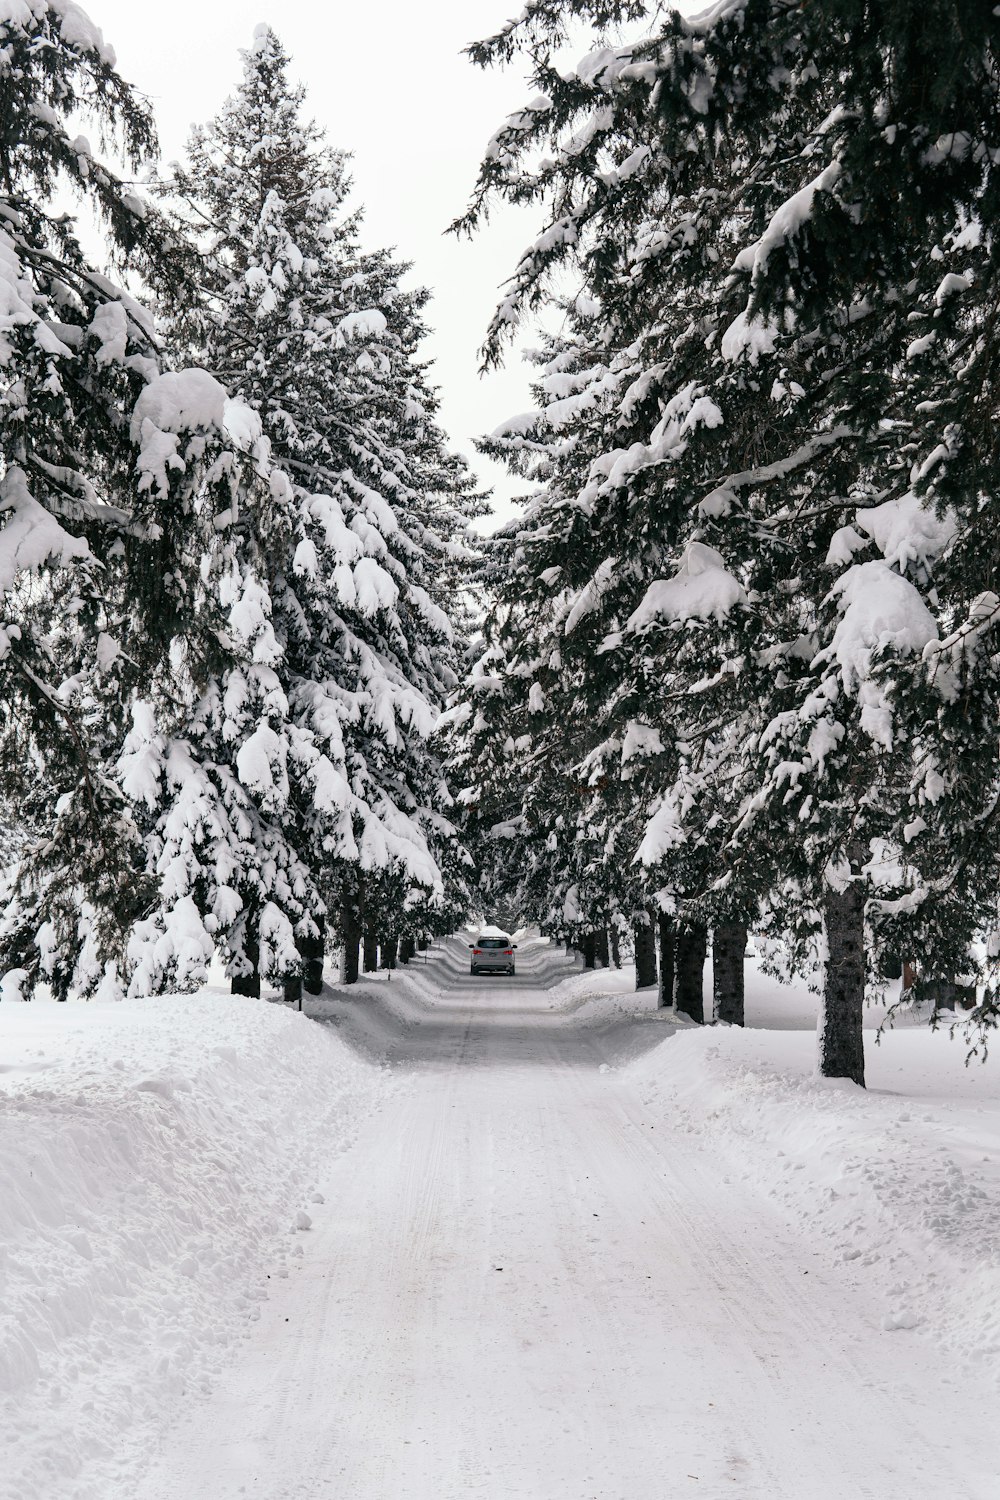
<point x="492" y="953"/>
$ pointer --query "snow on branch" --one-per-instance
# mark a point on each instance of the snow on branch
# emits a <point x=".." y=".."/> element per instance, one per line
<point x="701" y="589"/>
<point x="883" y="612"/>
<point x="30" y="538"/>
<point x="369" y="323"/>
<point x="721" y="500"/>
<point x="185" y="401"/>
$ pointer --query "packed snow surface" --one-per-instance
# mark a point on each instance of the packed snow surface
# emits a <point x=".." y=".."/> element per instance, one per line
<point x="586" y="1251"/>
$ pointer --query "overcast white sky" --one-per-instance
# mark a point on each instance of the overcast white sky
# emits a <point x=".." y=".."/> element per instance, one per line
<point x="388" y="82"/>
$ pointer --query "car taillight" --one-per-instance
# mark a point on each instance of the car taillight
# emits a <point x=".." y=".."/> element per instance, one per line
<point x="508" y="953"/>
<point x="477" y="952"/>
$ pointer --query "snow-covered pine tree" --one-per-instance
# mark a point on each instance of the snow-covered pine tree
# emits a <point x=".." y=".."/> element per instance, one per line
<point x="765" y="202"/>
<point x="77" y="352"/>
<point x="206" y="764"/>
<point x="118" y="477"/>
<point x="518" y="757"/>
<point x="587" y="543"/>
<point x="479" y="731"/>
<point x="319" y="338"/>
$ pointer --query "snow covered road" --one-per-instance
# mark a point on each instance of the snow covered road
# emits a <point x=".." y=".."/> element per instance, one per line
<point x="519" y="1289"/>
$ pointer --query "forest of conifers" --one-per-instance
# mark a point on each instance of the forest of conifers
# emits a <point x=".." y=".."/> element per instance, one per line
<point x="268" y="694"/>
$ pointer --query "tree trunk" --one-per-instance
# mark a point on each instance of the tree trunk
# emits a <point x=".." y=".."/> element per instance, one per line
<point x="942" y="993"/>
<point x="389" y="945"/>
<point x="841" y="1039"/>
<point x="965" y="996"/>
<point x="405" y="948"/>
<point x="589" y="950"/>
<point x="249" y="984"/>
<point x="351" y="930"/>
<point x="311" y="949"/>
<point x="601" y="947"/>
<point x="292" y="990"/>
<point x="665" y="924"/>
<point x="692" y="946"/>
<point x="616" y="955"/>
<point x="422" y="943"/>
<point x="370" y="950"/>
<point x="729" y="943"/>
<point x="644" y="940"/>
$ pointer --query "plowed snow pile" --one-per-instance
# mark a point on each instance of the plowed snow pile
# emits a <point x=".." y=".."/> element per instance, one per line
<point x="900" y="1182"/>
<point x="159" y="1163"/>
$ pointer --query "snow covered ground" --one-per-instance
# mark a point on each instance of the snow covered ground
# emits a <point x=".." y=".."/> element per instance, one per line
<point x="155" y="1157"/>
<point x="572" y="1252"/>
<point x="900" y="1181"/>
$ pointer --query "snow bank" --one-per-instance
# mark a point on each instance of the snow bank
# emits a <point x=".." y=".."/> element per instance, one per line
<point x="900" y="1182"/>
<point x="157" y="1161"/>
<point x="602" y="994"/>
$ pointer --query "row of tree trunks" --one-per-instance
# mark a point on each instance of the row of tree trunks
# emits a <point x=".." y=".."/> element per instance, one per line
<point x="391" y="950"/>
<point x="600" y="948"/>
<point x="681" y="970"/>
<point x="683" y="950"/>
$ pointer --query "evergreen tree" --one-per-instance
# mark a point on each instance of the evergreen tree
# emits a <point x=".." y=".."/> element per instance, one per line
<point x="759" y="462"/>
<point x="118" y="476"/>
<point x="479" y="734"/>
<point x="319" y="338"/>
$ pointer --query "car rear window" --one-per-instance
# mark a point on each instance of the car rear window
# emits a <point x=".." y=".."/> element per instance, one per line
<point x="493" y="943"/>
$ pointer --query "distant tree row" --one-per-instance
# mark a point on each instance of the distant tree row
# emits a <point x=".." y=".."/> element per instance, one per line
<point x="742" y="662"/>
<point x="230" y="529"/>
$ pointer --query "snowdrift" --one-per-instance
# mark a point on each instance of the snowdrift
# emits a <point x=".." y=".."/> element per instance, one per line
<point x="159" y="1162"/>
<point x="900" y="1182"/>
